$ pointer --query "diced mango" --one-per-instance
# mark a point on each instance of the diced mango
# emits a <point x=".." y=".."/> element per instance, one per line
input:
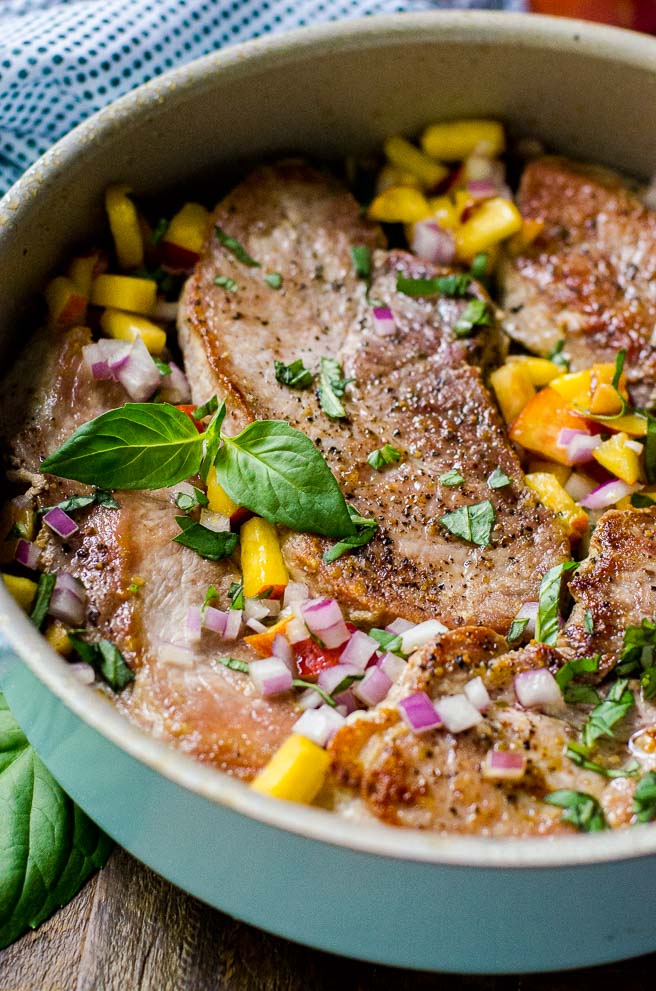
<point x="513" y="389"/>
<point x="493" y="221"/>
<point x="541" y="371"/>
<point x="454" y="140"/>
<point x="124" y="292"/>
<point x="405" y="156"/>
<point x="445" y="212"/>
<point x="263" y="642"/>
<point x="188" y="228"/>
<point x="605" y="401"/>
<point x="552" y="495"/>
<point x="619" y="459"/>
<point x="262" y="565"/>
<point x="125" y="227"/>
<point x="128" y="326"/>
<point x="296" y="772"/>
<point x="390" y="175"/>
<point x="219" y="500"/>
<point x="83" y="269"/>
<point x="399" y="205"/>
<point x="579" y="387"/>
<point x="67" y="306"/>
<point x="525" y="236"/>
<point x="538" y="426"/>
<point x="560" y="472"/>
<point x="632" y="424"/>
<point x="57" y="636"/>
<point x="22" y="589"/>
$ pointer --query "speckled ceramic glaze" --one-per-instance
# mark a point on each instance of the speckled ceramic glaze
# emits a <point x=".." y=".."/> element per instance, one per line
<point x="406" y="898"/>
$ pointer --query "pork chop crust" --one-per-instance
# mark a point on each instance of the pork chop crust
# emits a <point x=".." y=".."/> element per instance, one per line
<point x="589" y="277"/>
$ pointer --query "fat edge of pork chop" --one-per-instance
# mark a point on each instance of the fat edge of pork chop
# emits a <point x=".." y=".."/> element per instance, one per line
<point x="204" y="708"/>
<point x="415" y="388"/>
<point x="589" y="276"/>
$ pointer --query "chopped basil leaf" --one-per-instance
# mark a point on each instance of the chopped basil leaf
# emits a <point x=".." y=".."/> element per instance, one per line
<point x="547" y="626"/>
<point x="99" y="498"/>
<point x="106" y="660"/>
<point x="236" y="595"/>
<point x="581" y="810"/>
<point x="296" y="375"/>
<point x="160" y="230"/>
<point x="640" y="500"/>
<point x="328" y="699"/>
<point x="479" y="265"/>
<point x="620" y="358"/>
<point x="210" y="596"/>
<point x="17" y="530"/>
<point x="390" y="642"/>
<point x="581" y="695"/>
<point x="603" y="717"/>
<point x="588" y="622"/>
<point x="442" y="285"/>
<point x="475" y="314"/>
<point x="44" y="592"/>
<point x="273" y="280"/>
<point x="558" y="357"/>
<point x="207" y="409"/>
<point x="517" y="627"/>
<point x="365" y="531"/>
<point x="208" y="543"/>
<point x="472" y="523"/>
<point x="162" y="367"/>
<point x="498" y="479"/>
<point x="579" y="665"/>
<point x="644" y="798"/>
<point x="225" y="282"/>
<point x="234" y="664"/>
<point x="237" y="249"/>
<point x="578" y="755"/>
<point x="332" y="385"/>
<point x="650" y="449"/>
<point x="648" y="684"/>
<point x="638" y="652"/>
<point x="212" y="436"/>
<point x="385" y="455"/>
<point x="187" y="502"/>
<point x="451" y="478"/>
<point x="361" y="258"/>
<point x="346" y="683"/>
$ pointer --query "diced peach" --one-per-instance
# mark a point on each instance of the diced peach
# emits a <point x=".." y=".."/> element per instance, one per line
<point x="67" y="306"/>
<point x="617" y="457"/>
<point x="399" y="205"/>
<point x="580" y="387"/>
<point x="605" y="401"/>
<point x="125" y="227"/>
<point x="128" y="326"/>
<point x="493" y="221"/>
<point x="405" y="156"/>
<point x="262" y="565"/>
<point x="185" y="236"/>
<point x="84" y="268"/>
<point x="539" y="466"/>
<point x="541" y="371"/>
<point x="453" y="141"/>
<point x="525" y="236"/>
<point x="513" y="389"/>
<point x="538" y="426"/>
<point x="263" y="642"/>
<point x="124" y="292"/>
<point x="552" y="495"/>
<point x="391" y="175"/>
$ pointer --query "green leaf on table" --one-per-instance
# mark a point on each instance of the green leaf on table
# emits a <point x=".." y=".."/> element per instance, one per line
<point x="48" y="846"/>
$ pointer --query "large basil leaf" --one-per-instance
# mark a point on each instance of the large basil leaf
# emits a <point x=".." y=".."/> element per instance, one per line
<point x="48" y="846"/>
<point x="276" y="471"/>
<point x="139" y="446"/>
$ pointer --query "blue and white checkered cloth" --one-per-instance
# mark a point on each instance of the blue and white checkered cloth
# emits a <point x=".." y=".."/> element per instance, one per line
<point x="60" y="60"/>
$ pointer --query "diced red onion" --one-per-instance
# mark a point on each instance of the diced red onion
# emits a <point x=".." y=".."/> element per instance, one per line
<point x="281" y="648"/>
<point x="433" y="243"/>
<point x="194" y="624"/>
<point x="233" y="624"/>
<point x="60" y="523"/>
<point x="399" y="626"/>
<point x="214" y="521"/>
<point x="105" y="357"/>
<point x="504" y="765"/>
<point x="537" y="687"/>
<point x="74" y="585"/>
<point x="578" y="486"/>
<point x="566" y="434"/>
<point x="359" y="650"/>
<point x="255" y="609"/>
<point x="421" y="634"/>
<point x="27" y="554"/>
<point x="330" y="678"/>
<point x="392" y="665"/>
<point x="175" y="388"/>
<point x="294" y="592"/>
<point x="270" y="676"/>
<point x="323" y="617"/>
<point x="254" y="624"/>
<point x="215" y="620"/>
<point x="346" y="701"/>
<point x="319" y="725"/>
<point x="309" y="699"/>
<point x="579" y="445"/>
<point x="478" y="694"/>
<point x="384" y="323"/>
<point x="529" y="611"/>
<point x="374" y="686"/>
<point x="139" y="375"/>
<point x="163" y="310"/>
<point x="419" y="712"/>
<point x="457" y="713"/>
<point x="482" y="189"/>
<point x="175" y="654"/>
<point x="66" y="606"/>
<point x="83" y="673"/>
<point x="608" y="494"/>
<point x="182" y="488"/>
<point x="634" y="445"/>
<point x="478" y="167"/>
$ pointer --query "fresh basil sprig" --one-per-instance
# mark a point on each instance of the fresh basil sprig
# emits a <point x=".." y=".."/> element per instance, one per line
<point x="48" y="846"/>
<point x="547" y="627"/>
<point x="571" y="670"/>
<point x="498" y="479"/>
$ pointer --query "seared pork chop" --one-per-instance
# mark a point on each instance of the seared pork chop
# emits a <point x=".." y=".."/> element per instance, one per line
<point x="590" y="276"/>
<point x="414" y="388"/>
<point x="433" y="781"/>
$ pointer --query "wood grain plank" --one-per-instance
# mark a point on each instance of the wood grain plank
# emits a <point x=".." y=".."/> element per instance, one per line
<point x="129" y="930"/>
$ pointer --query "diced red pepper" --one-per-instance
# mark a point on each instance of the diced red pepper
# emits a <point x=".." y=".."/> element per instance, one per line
<point x="312" y="658"/>
<point x="190" y="409"/>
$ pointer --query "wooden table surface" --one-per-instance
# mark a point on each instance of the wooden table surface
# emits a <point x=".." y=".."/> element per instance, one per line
<point x="129" y="930"/>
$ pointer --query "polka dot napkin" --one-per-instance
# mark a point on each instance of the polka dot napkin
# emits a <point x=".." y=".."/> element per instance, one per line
<point x="60" y="60"/>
